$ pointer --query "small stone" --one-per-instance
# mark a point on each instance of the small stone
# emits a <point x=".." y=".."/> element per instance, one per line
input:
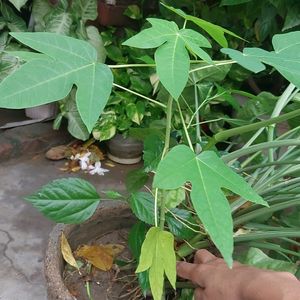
<point x="57" y="153"/>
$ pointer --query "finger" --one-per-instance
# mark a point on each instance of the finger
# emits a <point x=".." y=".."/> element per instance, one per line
<point x="203" y="256"/>
<point x="186" y="270"/>
<point x="199" y="294"/>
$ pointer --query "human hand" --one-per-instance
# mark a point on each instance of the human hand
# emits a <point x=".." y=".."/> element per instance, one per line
<point x="215" y="281"/>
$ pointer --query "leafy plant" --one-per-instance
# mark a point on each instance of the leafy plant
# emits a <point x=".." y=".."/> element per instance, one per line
<point x="219" y="205"/>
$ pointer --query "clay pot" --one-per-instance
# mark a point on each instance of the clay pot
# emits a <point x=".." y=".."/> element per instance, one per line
<point x="113" y="216"/>
<point x="125" y="150"/>
<point x="111" y="12"/>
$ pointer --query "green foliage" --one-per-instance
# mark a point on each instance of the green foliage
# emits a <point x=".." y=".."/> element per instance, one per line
<point x="257" y="258"/>
<point x="135" y="180"/>
<point x="69" y="62"/>
<point x="158" y="257"/>
<point x="68" y="200"/>
<point x="18" y="3"/>
<point x="285" y="57"/>
<point x="208" y="175"/>
<point x="171" y="57"/>
<point x="153" y="148"/>
<point x="142" y="205"/>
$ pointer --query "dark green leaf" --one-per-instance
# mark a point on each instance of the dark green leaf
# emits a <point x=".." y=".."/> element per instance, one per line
<point x="142" y="205"/>
<point x="233" y="2"/>
<point x="153" y="148"/>
<point x="135" y="180"/>
<point x="133" y="12"/>
<point x="136" y="238"/>
<point x="177" y="227"/>
<point x="67" y="200"/>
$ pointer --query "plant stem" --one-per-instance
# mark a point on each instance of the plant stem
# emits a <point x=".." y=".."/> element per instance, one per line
<point x="184" y="127"/>
<point x="139" y="95"/>
<point x="198" y="126"/>
<point x="224" y="135"/>
<point x="222" y="63"/>
<point x="165" y="151"/>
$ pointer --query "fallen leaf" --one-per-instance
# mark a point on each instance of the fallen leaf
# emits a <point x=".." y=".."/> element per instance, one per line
<point x="57" y="153"/>
<point x="100" y="256"/>
<point x="109" y="164"/>
<point x="67" y="252"/>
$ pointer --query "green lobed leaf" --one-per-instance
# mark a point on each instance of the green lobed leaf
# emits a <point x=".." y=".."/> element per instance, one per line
<point x="257" y="258"/>
<point x="172" y="198"/>
<point x="43" y="81"/>
<point x="59" y="21"/>
<point x="27" y="55"/>
<point x="142" y="205"/>
<point x="171" y="58"/>
<point x="158" y="256"/>
<point x="208" y="175"/>
<point x="67" y="200"/>
<point x="285" y="58"/>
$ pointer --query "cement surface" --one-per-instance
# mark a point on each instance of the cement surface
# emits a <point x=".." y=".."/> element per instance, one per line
<point x="24" y="231"/>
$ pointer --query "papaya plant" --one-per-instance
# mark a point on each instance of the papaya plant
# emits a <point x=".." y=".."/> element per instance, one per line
<point x="197" y="197"/>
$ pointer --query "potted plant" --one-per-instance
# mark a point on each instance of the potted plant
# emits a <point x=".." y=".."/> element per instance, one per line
<point x="197" y="199"/>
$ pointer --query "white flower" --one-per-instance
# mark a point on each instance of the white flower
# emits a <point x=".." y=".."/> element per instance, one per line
<point x="84" y="160"/>
<point x="96" y="169"/>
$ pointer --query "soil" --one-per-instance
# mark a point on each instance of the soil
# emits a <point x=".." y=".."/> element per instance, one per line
<point x="113" y="284"/>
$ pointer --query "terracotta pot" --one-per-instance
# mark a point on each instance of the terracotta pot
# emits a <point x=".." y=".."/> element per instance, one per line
<point x="125" y="150"/>
<point x="111" y="13"/>
<point x="114" y="216"/>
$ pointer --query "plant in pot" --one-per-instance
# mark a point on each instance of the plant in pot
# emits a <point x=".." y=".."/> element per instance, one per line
<point x="197" y="199"/>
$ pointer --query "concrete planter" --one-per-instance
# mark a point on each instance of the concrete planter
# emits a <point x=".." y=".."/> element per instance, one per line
<point x="125" y="150"/>
<point x="45" y="111"/>
<point x="114" y="216"/>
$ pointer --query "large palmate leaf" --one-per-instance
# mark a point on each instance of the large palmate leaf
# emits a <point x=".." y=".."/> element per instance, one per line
<point x="158" y="256"/>
<point x="171" y="57"/>
<point x="69" y="61"/>
<point x="67" y="200"/>
<point x="208" y="175"/>
<point x="285" y="59"/>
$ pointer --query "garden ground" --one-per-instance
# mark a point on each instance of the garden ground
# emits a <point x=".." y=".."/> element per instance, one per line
<point x="23" y="230"/>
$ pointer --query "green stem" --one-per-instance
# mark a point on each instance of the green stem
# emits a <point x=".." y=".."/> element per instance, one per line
<point x="184" y="127"/>
<point x="165" y="151"/>
<point x="226" y="134"/>
<point x="274" y="163"/>
<point x="139" y="95"/>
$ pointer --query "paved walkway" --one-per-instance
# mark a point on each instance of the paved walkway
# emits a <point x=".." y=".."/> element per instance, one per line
<point x="23" y="230"/>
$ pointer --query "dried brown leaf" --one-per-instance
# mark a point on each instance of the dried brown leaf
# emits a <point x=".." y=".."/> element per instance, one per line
<point x="100" y="256"/>
<point x="67" y="252"/>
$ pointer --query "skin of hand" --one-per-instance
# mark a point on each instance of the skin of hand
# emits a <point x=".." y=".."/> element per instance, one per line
<point x="215" y="281"/>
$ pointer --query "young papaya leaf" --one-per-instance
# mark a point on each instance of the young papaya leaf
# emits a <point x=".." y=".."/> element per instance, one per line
<point x="208" y="175"/>
<point x="67" y="200"/>
<point x="142" y="205"/>
<point x="215" y="31"/>
<point x="172" y="57"/>
<point x="257" y="258"/>
<point x="41" y="81"/>
<point x="158" y="256"/>
<point x="172" y="198"/>
<point x="285" y="58"/>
